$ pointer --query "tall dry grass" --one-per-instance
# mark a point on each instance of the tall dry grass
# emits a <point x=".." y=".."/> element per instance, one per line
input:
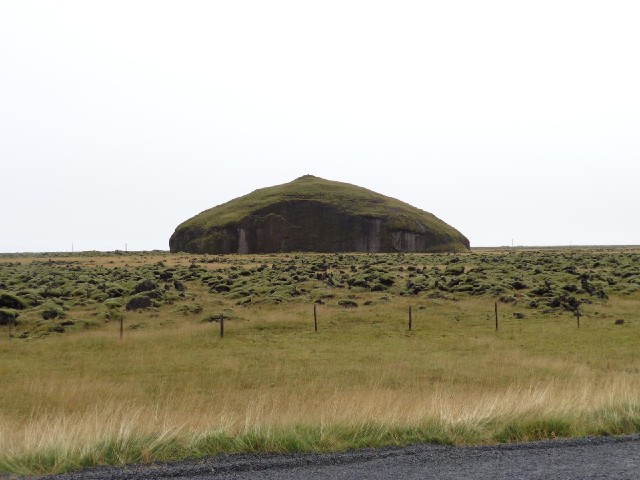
<point x="175" y="389"/>
<point x="329" y="419"/>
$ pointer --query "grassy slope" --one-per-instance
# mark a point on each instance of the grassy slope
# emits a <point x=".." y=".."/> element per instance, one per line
<point x="351" y="199"/>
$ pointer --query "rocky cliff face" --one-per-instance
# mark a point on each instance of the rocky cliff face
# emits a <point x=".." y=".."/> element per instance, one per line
<point x="290" y="220"/>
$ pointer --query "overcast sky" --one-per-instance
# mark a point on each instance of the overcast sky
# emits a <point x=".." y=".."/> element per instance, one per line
<point x="506" y="119"/>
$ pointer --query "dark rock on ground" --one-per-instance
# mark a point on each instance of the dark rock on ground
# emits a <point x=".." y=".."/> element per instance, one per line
<point x="139" y="302"/>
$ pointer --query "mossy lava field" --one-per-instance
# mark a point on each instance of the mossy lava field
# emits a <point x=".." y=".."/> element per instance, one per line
<point x="118" y="357"/>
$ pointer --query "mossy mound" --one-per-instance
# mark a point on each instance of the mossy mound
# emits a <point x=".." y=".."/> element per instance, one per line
<point x="311" y="214"/>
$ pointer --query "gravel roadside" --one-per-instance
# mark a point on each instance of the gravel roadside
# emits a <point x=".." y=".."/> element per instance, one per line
<point x="587" y="458"/>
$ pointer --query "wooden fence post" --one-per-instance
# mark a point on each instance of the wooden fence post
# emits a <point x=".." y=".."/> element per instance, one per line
<point x="577" y="313"/>
<point x="121" y="326"/>
<point x="410" y="319"/>
<point x="222" y="325"/>
<point x="315" y="318"/>
<point x="496" y="316"/>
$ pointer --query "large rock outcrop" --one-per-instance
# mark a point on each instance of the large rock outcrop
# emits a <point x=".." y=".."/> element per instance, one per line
<point x="311" y="214"/>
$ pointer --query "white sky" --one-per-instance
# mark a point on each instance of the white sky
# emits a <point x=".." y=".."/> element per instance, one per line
<point x="506" y="119"/>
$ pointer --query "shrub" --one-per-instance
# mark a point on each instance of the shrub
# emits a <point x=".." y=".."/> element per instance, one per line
<point x="189" y="309"/>
<point x="347" y="303"/>
<point x="52" y="293"/>
<point x="454" y="270"/>
<point x="519" y="285"/>
<point x="9" y="300"/>
<point x="51" y="310"/>
<point x="8" y="316"/>
<point x="360" y="281"/>
<point x="220" y="288"/>
<point x="215" y="317"/>
<point x="115" y="291"/>
<point x="113" y="303"/>
<point x="239" y="293"/>
<point x="99" y="296"/>
<point x="465" y="288"/>
<point x="165" y="276"/>
<point x="156" y="294"/>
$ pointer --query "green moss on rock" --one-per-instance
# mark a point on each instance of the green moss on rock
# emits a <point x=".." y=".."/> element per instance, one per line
<point x="315" y="215"/>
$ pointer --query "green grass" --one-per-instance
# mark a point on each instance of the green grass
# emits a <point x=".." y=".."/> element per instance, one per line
<point x="348" y="198"/>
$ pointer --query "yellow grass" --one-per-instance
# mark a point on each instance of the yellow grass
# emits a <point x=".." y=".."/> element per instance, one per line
<point x="272" y="373"/>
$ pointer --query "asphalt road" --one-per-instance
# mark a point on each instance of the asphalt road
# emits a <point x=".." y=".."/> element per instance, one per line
<point x="590" y="458"/>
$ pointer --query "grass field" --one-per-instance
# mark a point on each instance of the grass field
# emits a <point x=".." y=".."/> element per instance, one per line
<point x="74" y="395"/>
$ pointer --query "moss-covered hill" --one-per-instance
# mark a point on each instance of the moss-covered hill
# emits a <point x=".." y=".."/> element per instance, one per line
<point x="315" y="215"/>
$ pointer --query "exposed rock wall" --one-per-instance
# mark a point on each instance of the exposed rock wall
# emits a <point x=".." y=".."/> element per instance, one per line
<point x="312" y="227"/>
